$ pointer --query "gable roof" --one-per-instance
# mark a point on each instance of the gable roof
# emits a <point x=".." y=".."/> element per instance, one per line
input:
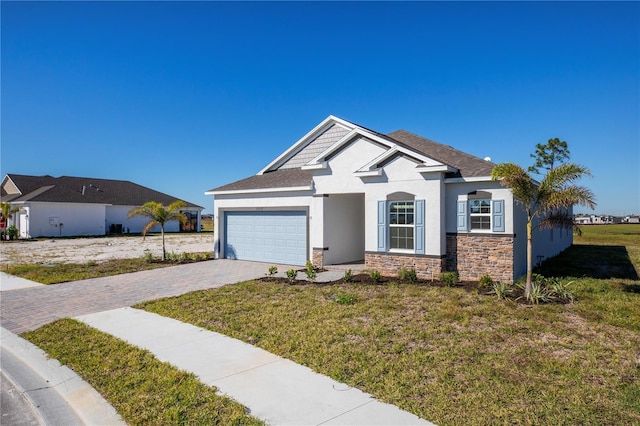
<point x="294" y="167"/>
<point x="468" y="165"/>
<point x="69" y="189"/>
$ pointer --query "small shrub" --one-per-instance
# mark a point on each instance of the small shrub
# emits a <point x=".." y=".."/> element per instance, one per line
<point x="376" y="276"/>
<point x="346" y="299"/>
<point x="184" y="257"/>
<point x="539" y="293"/>
<point x="148" y="257"/>
<point x="486" y="281"/>
<point x="292" y="275"/>
<point x="559" y="289"/>
<point x="449" y="278"/>
<point x="172" y="257"/>
<point x="348" y="276"/>
<point x="407" y="274"/>
<point x="310" y="271"/>
<point x="273" y="269"/>
<point x="12" y="232"/>
<point x="500" y="289"/>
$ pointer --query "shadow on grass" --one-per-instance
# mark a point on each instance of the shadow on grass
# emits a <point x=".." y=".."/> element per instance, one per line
<point x="594" y="261"/>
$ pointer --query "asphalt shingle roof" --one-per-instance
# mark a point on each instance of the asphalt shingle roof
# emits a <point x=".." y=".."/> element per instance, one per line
<point x="467" y="164"/>
<point x="282" y="178"/>
<point x="69" y="189"/>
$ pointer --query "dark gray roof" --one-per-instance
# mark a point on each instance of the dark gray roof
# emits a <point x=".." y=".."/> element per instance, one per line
<point x="467" y="164"/>
<point x="69" y="189"/>
<point x="282" y="178"/>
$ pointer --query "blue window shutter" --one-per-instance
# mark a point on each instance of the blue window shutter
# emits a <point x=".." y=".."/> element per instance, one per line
<point x="419" y="227"/>
<point x="382" y="226"/>
<point x="497" y="213"/>
<point x="462" y="216"/>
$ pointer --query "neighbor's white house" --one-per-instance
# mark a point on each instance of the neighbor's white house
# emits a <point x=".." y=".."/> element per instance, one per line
<point x="73" y="206"/>
<point x="344" y="193"/>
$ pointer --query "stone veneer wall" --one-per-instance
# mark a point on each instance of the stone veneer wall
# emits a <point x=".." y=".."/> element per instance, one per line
<point x="317" y="258"/>
<point x="389" y="264"/>
<point x="474" y="255"/>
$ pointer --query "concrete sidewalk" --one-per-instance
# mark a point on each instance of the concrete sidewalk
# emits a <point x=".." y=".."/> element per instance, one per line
<point x="274" y="389"/>
<point x="11" y="282"/>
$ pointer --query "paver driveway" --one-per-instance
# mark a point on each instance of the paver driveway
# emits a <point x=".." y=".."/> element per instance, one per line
<point x="29" y="308"/>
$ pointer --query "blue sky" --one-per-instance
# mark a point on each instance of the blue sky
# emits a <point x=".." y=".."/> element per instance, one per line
<point x="187" y="96"/>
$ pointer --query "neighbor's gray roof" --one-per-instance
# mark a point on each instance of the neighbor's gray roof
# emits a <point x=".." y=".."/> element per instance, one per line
<point x="467" y="164"/>
<point x="68" y="189"/>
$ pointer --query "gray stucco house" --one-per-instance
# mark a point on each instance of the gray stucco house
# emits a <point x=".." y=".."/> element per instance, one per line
<point x="344" y="193"/>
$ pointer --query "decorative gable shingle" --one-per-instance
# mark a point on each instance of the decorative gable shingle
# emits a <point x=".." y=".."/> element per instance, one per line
<point x="332" y="135"/>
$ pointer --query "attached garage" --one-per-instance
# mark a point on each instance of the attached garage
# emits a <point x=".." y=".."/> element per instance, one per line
<point x="269" y="236"/>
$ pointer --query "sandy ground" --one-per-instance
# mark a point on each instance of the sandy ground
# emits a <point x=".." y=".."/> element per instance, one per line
<point x="99" y="249"/>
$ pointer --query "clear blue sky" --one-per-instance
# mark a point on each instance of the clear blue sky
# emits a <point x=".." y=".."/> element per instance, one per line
<point x="185" y="97"/>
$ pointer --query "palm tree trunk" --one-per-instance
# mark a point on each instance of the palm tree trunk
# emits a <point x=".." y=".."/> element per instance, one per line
<point x="164" y="252"/>
<point x="528" y="286"/>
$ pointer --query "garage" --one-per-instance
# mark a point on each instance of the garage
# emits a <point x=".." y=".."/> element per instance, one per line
<point x="273" y="236"/>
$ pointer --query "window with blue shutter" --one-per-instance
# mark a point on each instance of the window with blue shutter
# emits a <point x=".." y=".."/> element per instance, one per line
<point x="497" y="215"/>
<point x="382" y="226"/>
<point x="462" y="216"/>
<point x="419" y="227"/>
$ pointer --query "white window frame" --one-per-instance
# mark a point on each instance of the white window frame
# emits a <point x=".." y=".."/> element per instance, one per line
<point x="481" y="214"/>
<point x="411" y="226"/>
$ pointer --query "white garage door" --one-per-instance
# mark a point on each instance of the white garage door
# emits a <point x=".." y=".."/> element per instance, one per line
<point x="275" y="237"/>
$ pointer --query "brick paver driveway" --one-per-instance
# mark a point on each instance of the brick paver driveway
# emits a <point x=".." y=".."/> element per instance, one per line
<point x="29" y="308"/>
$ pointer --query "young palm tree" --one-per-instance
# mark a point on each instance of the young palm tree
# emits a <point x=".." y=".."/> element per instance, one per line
<point x="7" y="213"/>
<point x="159" y="215"/>
<point x="550" y="200"/>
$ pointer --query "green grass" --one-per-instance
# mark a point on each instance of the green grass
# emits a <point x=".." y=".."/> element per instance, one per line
<point x="447" y="354"/>
<point x="65" y="272"/>
<point x="143" y="390"/>
<point x="450" y="355"/>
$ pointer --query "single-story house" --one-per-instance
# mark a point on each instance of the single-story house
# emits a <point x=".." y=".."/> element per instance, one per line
<point x="73" y="206"/>
<point x="344" y="193"/>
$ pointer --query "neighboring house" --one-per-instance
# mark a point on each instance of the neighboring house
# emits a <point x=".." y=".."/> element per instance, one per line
<point x="344" y="193"/>
<point x="72" y="206"/>
<point x="632" y="219"/>
<point x="597" y="220"/>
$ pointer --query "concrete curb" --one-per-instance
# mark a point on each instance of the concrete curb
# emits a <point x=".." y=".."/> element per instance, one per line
<point x="58" y="393"/>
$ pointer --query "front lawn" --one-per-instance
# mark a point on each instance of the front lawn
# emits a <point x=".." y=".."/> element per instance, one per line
<point x="445" y="354"/>
<point x="451" y="355"/>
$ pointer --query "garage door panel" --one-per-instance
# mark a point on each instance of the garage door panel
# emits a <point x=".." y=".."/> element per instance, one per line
<point x="279" y="237"/>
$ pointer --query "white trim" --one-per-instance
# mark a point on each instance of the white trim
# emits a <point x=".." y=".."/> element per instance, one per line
<point x="468" y="179"/>
<point x="260" y="190"/>
<point x="368" y="173"/>
<point x="324" y="125"/>
<point x="315" y="166"/>
<point x="424" y="168"/>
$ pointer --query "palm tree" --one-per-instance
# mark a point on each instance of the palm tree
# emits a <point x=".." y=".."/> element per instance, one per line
<point x="550" y="200"/>
<point x="159" y="215"/>
<point x="7" y="213"/>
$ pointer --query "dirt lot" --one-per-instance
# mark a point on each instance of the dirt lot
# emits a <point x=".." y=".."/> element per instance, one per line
<point x="99" y="249"/>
